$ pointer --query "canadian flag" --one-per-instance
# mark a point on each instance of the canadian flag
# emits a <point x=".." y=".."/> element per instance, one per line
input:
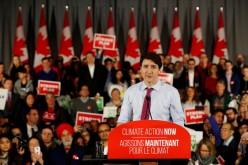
<point x="197" y="45"/>
<point x="66" y="49"/>
<point x="42" y="46"/>
<point x="88" y="35"/>
<point x="113" y="54"/>
<point x="176" y="47"/>
<point x="220" y="50"/>
<point x="20" y="47"/>
<point x="154" y="40"/>
<point x="132" y="53"/>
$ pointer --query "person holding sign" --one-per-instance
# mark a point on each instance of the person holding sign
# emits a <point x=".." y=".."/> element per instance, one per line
<point x="161" y="101"/>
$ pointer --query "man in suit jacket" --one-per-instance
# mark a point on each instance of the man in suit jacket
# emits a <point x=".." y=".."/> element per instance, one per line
<point x="93" y="75"/>
<point x="228" y="151"/>
<point x="12" y="107"/>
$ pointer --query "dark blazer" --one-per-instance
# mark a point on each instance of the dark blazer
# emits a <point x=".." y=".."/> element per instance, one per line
<point x="235" y="83"/>
<point x="95" y="84"/>
<point x="24" y="130"/>
<point x="13" y="112"/>
<point x="228" y="153"/>
<point x="197" y="79"/>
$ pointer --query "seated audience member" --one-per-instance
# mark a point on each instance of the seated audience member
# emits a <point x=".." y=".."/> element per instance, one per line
<point x="67" y="153"/>
<point x="32" y="156"/>
<point x="103" y="132"/>
<point x="228" y="151"/>
<point x="115" y="98"/>
<point x="220" y="99"/>
<point x="244" y="80"/>
<point x="8" y="155"/>
<point x="31" y="127"/>
<point x="83" y="103"/>
<point x="243" y="150"/>
<point x="23" y="85"/>
<point x="47" y="143"/>
<point x="211" y="80"/>
<point x="205" y="154"/>
<point x="52" y="113"/>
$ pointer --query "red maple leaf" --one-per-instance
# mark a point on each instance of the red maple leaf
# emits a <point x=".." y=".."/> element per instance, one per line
<point x="18" y="45"/>
<point x="153" y="45"/>
<point x="132" y="47"/>
<point x="42" y="46"/>
<point x="65" y="47"/>
<point x="175" y="47"/>
<point x="219" y="47"/>
<point x="196" y="48"/>
<point x="88" y="45"/>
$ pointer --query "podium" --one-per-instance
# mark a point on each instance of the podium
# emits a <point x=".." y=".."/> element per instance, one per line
<point x="149" y="140"/>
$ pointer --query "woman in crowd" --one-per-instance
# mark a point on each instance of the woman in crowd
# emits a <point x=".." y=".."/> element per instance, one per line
<point x="211" y="80"/>
<point x="243" y="150"/>
<point x="205" y="154"/>
<point x="115" y="98"/>
<point x="13" y="68"/>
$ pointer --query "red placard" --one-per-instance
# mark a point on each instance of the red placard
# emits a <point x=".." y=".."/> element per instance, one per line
<point x="84" y="116"/>
<point x="166" y="77"/>
<point x="104" y="41"/>
<point x="48" y="86"/>
<point x="149" y="139"/>
<point x="193" y="116"/>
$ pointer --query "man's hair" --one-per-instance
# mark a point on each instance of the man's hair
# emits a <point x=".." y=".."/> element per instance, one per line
<point x="233" y="109"/>
<point x="231" y="126"/>
<point x="46" y="127"/>
<point x="153" y="57"/>
<point x="45" y="58"/>
<point x="191" y="59"/>
<point x="104" y="123"/>
<point x="228" y="61"/>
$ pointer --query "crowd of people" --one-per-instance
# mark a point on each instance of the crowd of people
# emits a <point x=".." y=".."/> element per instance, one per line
<point x="30" y="121"/>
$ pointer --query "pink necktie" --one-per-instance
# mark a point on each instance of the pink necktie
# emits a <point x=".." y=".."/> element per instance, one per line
<point x="146" y="105"/>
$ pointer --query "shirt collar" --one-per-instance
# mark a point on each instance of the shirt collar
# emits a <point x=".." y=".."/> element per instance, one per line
<point x="228" y="141"/>
<point x="155" y="86"/>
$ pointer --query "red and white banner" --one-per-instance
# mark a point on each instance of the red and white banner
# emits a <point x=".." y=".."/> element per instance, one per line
<point x="220" y="50"/>
<point x="66" y="47"/>
<point x="20" y="47"/>
<point x="197" y="45"/>
<point x="104" y="41"/>
<point x="166" y="78"/>
<point x="88" y="35"/>
<point x="176" y="47"/>
<point x="85" y="117"/>
<point x="132" y="53"/>
<point x="154" y="40"/>
<point x="113" y="54"/>
<point x="48" y="86"/>
<point x="42" y="46"/>
<point x="193" y="116"/>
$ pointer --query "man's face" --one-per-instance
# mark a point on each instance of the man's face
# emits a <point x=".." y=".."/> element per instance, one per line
<point x="220" y="88"/>
<point x="229" y="66"/>
<point x="203" y="59"/>
<point x="84" y="91"/>
<point x="219" y="117"/>
<point x="22" y="75"/>
<point x="245" y="72"/>
<point x="33" y="116"/>
<point x="191" y="65"/>
<point x="103" y="132"/>
<point x="50" y="99"/>
<point x="66" y="138"/>
<point x="226" y="132"/>
<point x="46" y="64"/>
<point x="90" y="58"/>
<point x="231" y="116"/>
<point x="93" y="125"/>
<point x="149" y="71"/>
<point x="1" y="68"/>
<point x="243" y="128"/>
<point x="8" y="84"/>
<point x="46" y="135"/>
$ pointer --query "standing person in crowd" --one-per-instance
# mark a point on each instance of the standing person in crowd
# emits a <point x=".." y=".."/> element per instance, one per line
<point x="11" y="111"/>
<point x="178" y="72"/>
<point x="132" y="103"/>
<point x="115" y="98"/>
<point x="93" y="75"/>
<point x="211" y="80"/>
<point x="83" y="103"/>
<point x="232" y="117"/>
<point x="3" y="75"/>
<point x="231" y="79"/>
<point x="13" y="68"/>
<point x="244" y="80"/>
<point x="240" y="64"/>
<point x="221" y="66"/>
<point x="228" y="151"/>
<point x="205" y="154"/>
<point x="67" y="153"/>
<point x="30" y="71"/>
<point x="23" y="85"/>
<point x="103" y="132"/>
